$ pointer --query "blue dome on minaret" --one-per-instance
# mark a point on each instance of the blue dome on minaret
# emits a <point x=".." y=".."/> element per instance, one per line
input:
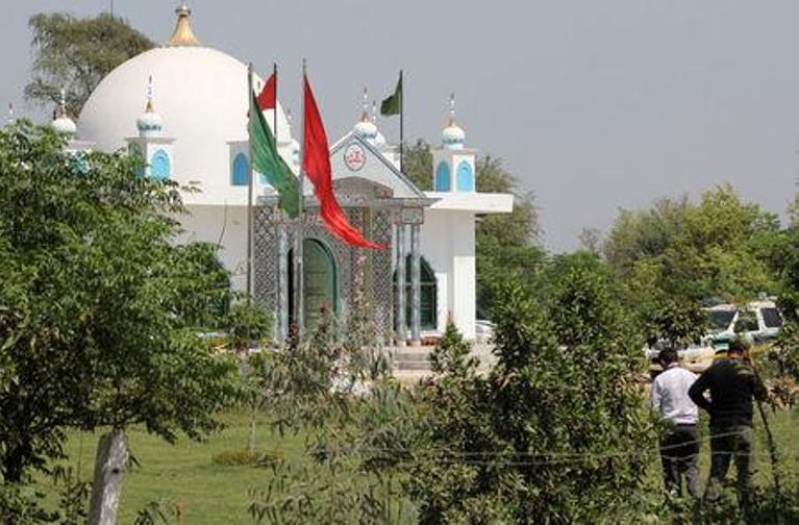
<point x="150" y="124"/>
<point x="453" y="136"/>
<point x="62" y="123"/>
<point x="366" y="129"/>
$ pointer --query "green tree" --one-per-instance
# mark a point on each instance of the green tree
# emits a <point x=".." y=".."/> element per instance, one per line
<point x="99" y="309"/>
<point x="75" y="54"/>
<point x="549" y="436"/>
<point x="506" y="243"/>
<point x="417" y="163"/>
<point x="677" y="255"/>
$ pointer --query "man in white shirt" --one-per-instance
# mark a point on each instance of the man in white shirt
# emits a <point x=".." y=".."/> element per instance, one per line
<point x="679" y="447"/>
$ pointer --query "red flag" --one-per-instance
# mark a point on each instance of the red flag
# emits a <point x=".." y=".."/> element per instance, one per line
<point x="267" y="98"/>
<point x="316" y="164"/>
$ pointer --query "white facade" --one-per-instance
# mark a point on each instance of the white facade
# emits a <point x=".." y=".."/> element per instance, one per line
<point x="200" y="99"/>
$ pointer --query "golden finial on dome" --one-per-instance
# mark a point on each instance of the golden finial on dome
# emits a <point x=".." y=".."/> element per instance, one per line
<point x="183" y="35"/>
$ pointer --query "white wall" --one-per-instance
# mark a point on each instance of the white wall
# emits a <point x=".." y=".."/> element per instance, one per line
<point x="447" y="242"/>
<point x="226" y="225"/>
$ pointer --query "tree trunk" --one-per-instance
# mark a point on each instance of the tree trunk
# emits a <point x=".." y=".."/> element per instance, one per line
<point x="251" y="432"/>
<point x="112" y="455"/>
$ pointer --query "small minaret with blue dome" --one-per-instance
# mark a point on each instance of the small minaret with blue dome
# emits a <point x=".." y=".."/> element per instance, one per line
<point x="366" y="128"/>
<point x="453" y="164"/>
<point x="62" y="123"/>
<point x="151" y="143"/>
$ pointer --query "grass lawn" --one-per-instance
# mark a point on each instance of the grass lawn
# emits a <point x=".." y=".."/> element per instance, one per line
<point x="184" y="475"/>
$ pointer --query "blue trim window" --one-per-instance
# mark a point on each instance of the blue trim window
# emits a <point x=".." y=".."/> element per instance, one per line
<point x="160" y="165"/>
<point x="442" y="177"/>
<point x="240" y="175"/>
<point x="465" y="177"/>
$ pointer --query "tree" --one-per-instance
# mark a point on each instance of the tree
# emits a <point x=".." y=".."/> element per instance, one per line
<point x="677" y="255"/>
<point x="417" y="163"/>
<point x="519" y="228"/>
<point x="549" y="436"/>
<point x="591" y="240"/>
<point x="76" y="54"/>
<point x="98" y="325"/>
<point x="506" y="243"/>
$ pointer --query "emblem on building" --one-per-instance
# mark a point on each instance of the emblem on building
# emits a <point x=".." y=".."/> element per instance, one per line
<point x="354" y="157"/>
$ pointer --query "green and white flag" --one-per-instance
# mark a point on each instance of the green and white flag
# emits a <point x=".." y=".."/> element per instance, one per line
<point x="267" y="162"/>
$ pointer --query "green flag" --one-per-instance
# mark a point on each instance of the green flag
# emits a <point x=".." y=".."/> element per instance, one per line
<point x="267" y="162"/>
<point x="392" y="105"/>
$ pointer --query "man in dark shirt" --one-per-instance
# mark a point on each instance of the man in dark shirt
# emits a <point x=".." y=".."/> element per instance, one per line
<point x="732" y="383"/>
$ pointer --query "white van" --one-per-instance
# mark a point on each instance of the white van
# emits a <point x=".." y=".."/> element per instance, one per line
<point x="758" y="321"/>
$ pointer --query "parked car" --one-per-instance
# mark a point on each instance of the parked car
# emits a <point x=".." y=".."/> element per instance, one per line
<point x="758" y="321"/>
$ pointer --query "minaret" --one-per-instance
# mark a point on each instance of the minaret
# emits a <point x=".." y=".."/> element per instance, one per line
<point x="62" y="123"/>
<point x="453" y="164"/>
<point x="365" y="128"/>
<point x="151" y="143"/>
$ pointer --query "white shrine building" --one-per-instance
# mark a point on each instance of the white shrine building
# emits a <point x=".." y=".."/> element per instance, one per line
<point x="183" y="106"/>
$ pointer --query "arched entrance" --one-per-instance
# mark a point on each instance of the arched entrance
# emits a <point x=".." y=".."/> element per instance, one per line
<point x="428" y="292"/>
<point x="320" y="282"/>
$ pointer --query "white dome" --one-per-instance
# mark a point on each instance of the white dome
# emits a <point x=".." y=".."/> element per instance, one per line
<point x="453" y="136"/>
<point x="366" y="130"/>
<point x="64" y="124"/>
<point x="150" y="123"/>
<point x="201" y="95"/>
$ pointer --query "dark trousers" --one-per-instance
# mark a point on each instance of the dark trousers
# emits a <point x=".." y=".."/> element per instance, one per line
<point x="679" y="451"/>
<point x="726" y="443"/>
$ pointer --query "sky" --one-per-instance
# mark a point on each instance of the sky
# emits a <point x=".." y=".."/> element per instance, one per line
<point x="592" y="106"/>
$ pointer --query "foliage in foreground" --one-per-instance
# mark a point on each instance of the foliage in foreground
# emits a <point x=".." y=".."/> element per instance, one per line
<point x="550" y="434"/>
<point x="99" y="310"/>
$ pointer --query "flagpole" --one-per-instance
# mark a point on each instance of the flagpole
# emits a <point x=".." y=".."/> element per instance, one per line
<point x="300" y="278"/>
<point x="402" y="112"/>
<point x="249" y="184"/>
<point x="274" y="112"/>
<point x="282" y="322"/>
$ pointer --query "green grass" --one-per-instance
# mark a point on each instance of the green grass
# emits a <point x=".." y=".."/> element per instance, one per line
<point x="783" y="425"/>
<point x="184" y="474"/>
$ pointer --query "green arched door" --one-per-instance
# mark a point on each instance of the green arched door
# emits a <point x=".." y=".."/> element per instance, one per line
<point x="319" y="282"/>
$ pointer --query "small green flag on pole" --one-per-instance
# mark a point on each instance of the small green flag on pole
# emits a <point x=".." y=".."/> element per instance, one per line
<point x="267" y="161"/>
<point x="393" y="104"/>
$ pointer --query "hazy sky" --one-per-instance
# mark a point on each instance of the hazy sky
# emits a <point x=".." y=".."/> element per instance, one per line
<point x="593" y="105"/>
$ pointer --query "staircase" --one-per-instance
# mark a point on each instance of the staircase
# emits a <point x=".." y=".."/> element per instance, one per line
<point x="411" y="358"/>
